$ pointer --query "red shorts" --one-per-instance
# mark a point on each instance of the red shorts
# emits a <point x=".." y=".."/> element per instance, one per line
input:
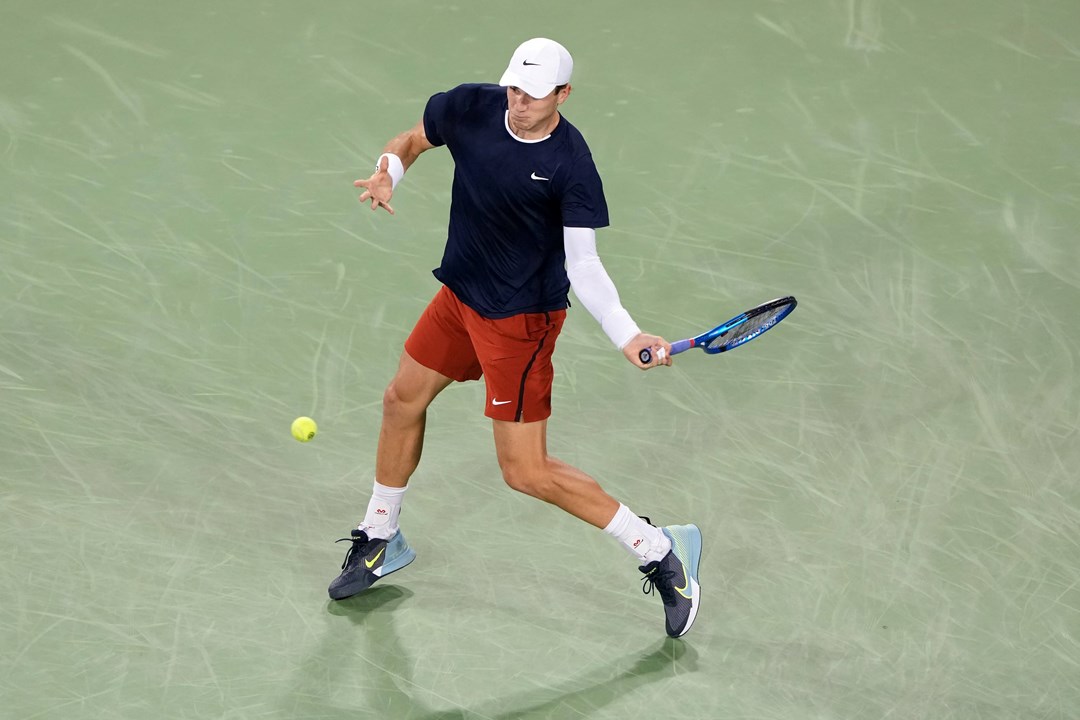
<point x="512" y="354"/>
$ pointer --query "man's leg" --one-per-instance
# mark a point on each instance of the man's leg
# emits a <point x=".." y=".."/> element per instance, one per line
<point x="670" y="555"/>
<point x="437" y="352"/>
<point x="401" y="441"/>
<point x="378" y="545"/>
<point x="405" y="404"/>
<point x="527" y="468"/>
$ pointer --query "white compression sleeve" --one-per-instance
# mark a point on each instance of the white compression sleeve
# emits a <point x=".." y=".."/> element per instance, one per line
<point x="594" y="288"/>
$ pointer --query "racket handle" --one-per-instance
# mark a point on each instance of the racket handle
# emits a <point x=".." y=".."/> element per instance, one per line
<point x="681" y="346"/>
<point x="676" y="347"/>
<point x="645" y="356"/>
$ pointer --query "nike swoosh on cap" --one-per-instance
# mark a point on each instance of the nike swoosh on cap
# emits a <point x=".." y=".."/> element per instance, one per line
<point x="526" y="62"/>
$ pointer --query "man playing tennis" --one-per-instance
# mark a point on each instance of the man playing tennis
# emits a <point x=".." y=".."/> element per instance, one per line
<point x="526" y="201"/>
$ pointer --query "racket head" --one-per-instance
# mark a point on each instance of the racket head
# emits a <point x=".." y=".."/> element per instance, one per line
<point x="743" y="328"/>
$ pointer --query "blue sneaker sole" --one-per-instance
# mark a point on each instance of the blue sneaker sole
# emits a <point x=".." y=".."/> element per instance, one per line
<point x="397" y="563"/>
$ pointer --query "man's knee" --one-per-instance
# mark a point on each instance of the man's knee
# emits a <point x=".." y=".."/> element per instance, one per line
<point x="523" y="460"/>
<point x="393" y="401"/>
<point x="528" y="478"/>
<point x="412" y="389"/>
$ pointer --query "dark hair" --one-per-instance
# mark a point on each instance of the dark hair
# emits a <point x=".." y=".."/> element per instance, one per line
<point x="558" y="88"/>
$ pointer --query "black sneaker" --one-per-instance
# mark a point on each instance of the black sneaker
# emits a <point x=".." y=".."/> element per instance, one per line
<point x="367" y="561"/>
<point x="675" y="577"/>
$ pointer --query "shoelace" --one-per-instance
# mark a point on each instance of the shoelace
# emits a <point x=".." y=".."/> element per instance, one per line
<point x="359" y="543"/>
<point x="660" y="580"/>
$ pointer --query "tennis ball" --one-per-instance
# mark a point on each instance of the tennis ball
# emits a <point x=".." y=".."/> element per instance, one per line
<point x="304" y="428"/>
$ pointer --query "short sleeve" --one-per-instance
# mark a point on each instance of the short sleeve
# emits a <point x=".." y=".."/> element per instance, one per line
<point x="445" y="112"/>
<point x="435" y="118"/>
<point x="583" y="202"/>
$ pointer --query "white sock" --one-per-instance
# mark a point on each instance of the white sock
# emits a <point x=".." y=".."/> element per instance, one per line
<point x="381" y="520"/>
<point x="642" y="540"/>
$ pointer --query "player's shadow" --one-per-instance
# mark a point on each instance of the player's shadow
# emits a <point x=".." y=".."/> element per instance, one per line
<point x="390" y="676"/>
<point x="593" y="691"/>
<point x="365" y="606"/>
<point x="324" y="667"/>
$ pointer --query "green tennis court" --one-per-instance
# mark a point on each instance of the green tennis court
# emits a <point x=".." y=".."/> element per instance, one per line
<point x="886" y="482"/>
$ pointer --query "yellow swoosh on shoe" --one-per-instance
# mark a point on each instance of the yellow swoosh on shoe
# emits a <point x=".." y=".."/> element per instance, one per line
<point x="686" y="586"/>
<point x="375" y="559"/>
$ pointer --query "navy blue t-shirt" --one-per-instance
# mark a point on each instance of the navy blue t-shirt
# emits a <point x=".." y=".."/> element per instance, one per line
<point x="504" y="251"/>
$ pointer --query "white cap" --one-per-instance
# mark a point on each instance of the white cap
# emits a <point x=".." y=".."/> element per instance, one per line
<point x="538" y="67"/>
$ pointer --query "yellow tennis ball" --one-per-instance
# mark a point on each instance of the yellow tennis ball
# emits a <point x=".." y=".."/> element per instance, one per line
<point x="304" y="428"/>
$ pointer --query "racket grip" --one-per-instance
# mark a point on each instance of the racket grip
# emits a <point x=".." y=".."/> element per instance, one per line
<point x="645" y="356"/>
<point x="681" y="346"/>
<point x="676" y="347"/>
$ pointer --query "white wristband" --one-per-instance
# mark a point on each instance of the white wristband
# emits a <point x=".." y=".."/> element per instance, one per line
<point x="394" y="166"/>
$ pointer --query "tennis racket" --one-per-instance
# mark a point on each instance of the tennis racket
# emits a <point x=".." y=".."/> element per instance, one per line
<point x="737" y="331"/>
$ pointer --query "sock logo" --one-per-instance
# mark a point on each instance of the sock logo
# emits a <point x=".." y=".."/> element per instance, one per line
<point x="638" y="542"/>
<point x="381" y="511"/>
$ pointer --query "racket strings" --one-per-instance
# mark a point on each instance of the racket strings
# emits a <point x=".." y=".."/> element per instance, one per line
<point x="748" y="330"/>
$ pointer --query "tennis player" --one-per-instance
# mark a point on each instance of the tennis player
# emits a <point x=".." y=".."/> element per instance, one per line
<point x="526" y="202"/>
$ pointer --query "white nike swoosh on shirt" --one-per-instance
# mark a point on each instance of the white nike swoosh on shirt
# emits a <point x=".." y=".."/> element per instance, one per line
<point x="499" y="402"/>
<point x="534" y="176"/>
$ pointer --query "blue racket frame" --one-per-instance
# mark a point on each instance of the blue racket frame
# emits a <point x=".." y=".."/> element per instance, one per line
<point x="707" y="340"/>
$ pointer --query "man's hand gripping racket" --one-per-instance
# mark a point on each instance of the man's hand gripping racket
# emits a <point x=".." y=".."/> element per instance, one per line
<point x="737" y="331"/>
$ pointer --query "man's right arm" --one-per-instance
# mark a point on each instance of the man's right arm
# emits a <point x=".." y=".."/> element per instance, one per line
<point x="398" y="155"/>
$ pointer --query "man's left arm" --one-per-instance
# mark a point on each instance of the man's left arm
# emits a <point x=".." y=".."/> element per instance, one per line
<point x="596" y="291"/>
